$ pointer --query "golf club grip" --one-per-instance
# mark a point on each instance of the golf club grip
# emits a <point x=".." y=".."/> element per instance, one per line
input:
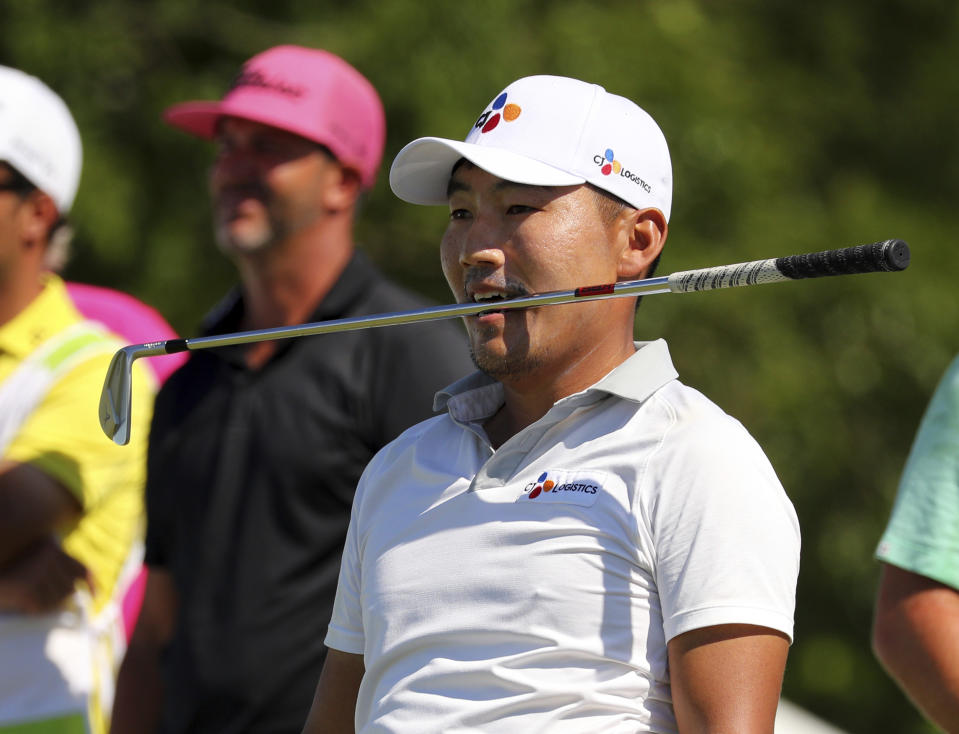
<point x="887" y="256"/>
<point x="879" y="256"/>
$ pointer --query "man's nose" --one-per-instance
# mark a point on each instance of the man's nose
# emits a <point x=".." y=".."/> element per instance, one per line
<point x="482" y="245"/>
<point x="234" y="165"/>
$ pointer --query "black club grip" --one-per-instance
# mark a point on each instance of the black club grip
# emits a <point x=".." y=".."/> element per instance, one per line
<point x="890" y="255"/>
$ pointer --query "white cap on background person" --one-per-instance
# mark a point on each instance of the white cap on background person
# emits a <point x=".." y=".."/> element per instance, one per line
<point x="549" y="131"/>
<point x="38" y="136"/>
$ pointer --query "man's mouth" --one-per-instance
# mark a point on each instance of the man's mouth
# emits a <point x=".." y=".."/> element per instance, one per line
<point x="491" y="297"/>
<point x="235" y="198"/>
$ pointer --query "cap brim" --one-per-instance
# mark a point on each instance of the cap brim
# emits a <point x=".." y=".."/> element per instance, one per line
<point x="200" y="118"/>
<point x="196" y="118"/>
<point x="420" y="173"/>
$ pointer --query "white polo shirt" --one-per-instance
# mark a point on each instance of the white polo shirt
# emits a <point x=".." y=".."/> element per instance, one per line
<point x="534" y="588"/>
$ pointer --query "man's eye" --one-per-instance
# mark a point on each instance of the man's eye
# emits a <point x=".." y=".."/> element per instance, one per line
<point x="268" y="147"/>
<point x="520" y="209"/>
<point x="459" y="213"/>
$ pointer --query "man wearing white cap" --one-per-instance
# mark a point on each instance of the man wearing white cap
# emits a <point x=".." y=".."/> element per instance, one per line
<point x="255" y="452"/>
<point x="70" y="503"/>
<point x="581" y="543"/>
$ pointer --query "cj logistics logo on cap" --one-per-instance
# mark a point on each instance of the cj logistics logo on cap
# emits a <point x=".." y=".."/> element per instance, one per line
<point x="609" y="165"/>
<point x="490" y="119"/>
<point x="607" y="162"/>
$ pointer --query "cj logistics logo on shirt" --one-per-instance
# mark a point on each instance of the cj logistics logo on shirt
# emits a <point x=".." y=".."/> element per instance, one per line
<point x="578" y="488"/>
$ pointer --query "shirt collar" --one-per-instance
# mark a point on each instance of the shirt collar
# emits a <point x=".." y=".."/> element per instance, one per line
<point x="641" y="375"/>
<point x="476" y="397"/>
<point x="45" y="316"/>
<point x="472" y="398"/>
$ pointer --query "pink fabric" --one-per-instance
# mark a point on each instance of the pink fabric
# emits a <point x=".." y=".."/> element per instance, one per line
<point x="131" y="319"/>
<point x="136" y="323"/>
<point x="133" y="601"/>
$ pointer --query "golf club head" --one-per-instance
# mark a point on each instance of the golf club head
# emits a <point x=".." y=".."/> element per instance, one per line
<point x="116" y="396"/>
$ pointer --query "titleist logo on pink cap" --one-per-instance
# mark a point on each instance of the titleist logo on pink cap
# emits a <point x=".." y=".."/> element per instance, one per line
<point x="256" y="78"/>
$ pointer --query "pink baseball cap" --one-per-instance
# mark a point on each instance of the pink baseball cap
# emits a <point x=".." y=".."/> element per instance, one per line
<point x="306" y="91"/>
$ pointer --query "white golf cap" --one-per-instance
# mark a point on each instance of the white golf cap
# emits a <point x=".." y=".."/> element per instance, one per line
<point x="549" y="131"/>
<point x="38" y="136"/>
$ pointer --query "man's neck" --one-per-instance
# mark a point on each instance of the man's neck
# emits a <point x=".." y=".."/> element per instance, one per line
<point x="529" y="398"/>
<point x="282" y="287"/>
<point x="523" y="406"/>
<point x="17" y="292"/>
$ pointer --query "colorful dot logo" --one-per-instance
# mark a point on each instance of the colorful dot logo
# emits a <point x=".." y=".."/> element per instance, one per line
<point x="500" y="111"/>
<point x="542" y="485"/>
<point x="609" y="163"/>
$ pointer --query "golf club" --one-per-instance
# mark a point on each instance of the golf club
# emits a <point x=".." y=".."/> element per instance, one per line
<point x="889" y="255"/>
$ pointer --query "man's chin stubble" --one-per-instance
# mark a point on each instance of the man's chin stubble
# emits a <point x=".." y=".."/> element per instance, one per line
<point x="510" y="366"/>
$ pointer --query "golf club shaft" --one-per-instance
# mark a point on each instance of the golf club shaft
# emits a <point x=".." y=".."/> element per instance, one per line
<point x="889" y="255"/>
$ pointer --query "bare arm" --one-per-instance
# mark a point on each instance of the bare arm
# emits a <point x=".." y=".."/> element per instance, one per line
<point x="727" y="678"/>
<point x="36" y="575"/>
<point x="916" y="637"/>
<point x="39" y="579"/>
<point x="334" y="705"/>
<point x="139" y="693"/>
<point x="32" y="506"/>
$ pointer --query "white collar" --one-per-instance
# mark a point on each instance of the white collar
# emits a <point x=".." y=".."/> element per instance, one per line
<point x="477" y="396"/>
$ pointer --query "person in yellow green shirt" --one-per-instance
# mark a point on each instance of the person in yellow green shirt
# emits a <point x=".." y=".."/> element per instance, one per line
<point x="70" y="500"/>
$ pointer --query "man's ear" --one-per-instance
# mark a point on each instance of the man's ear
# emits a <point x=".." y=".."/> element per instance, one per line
<point x="36" y="216"/>
<point x="645" y="233"/>
<point x="343" y="188"/>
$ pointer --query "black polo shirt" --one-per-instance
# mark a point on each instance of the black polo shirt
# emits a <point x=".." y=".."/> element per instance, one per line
<point x="250" y="482"/>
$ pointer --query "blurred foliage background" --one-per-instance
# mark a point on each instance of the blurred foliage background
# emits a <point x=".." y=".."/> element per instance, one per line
<point x="794" y="127"/>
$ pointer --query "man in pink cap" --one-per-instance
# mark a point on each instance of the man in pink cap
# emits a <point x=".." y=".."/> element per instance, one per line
<point x="580" y="542"/>
<point x="255" y="451"/>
